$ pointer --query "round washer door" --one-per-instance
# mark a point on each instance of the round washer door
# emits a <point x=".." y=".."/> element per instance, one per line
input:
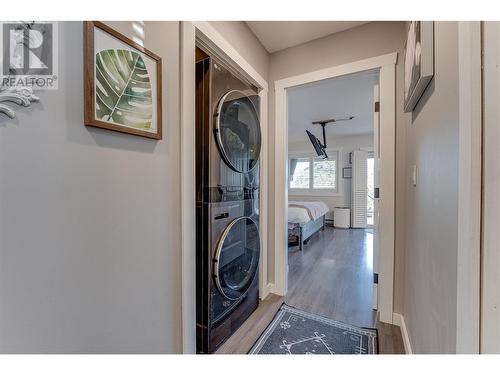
<point x="237" y="258"/>
<point x="237" y="129"/>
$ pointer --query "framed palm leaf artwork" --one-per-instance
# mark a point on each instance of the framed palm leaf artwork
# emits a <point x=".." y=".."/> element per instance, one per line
<point x="122" y="83"/>
<point x="419" y="61"/>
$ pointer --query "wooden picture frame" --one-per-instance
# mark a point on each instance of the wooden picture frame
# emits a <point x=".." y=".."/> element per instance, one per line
<point x="131" y="69"/>
<point x="347" y="172"/>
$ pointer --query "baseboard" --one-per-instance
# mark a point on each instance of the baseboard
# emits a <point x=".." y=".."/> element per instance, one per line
<point x="269" y="288"/>
<point x="399" y="320"/>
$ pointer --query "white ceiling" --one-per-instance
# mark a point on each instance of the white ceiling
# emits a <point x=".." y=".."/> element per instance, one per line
<point x="278" y="35"/>
<point x="334" y="98"/>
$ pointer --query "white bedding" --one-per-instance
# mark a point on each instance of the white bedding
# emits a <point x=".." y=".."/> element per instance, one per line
<point x="303" y="212"/>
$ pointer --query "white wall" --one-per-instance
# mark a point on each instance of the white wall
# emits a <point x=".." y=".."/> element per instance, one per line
<point x="430" y="276"/>
<point x="346" y="144"/>
<point x="369" y="40"/>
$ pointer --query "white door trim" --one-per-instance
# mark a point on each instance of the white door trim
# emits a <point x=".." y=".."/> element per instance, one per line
<point x="399" y="320"/>
<point x="469" y="189"/>
<point x="386" y="66"/>
<point x="188" y="182"/>
<point x="190" y="32"/>
<point x="490" y="255"/>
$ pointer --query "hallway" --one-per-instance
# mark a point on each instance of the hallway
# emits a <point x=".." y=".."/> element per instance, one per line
<point x="146" y="187"/>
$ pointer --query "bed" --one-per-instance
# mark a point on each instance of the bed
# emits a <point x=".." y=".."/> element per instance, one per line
<point x="304" y="220"/>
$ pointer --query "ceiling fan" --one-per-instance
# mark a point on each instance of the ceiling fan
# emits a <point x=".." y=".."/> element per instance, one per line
<point x="319" y="147"/>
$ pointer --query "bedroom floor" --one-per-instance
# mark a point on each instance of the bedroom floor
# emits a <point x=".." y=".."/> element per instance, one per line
<point x="333" y="277"/>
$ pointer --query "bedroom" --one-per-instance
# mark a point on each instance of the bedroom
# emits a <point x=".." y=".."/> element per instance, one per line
<point x="331" y="198"/>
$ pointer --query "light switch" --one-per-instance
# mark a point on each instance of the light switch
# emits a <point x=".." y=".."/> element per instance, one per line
<point x="414" y="175"/>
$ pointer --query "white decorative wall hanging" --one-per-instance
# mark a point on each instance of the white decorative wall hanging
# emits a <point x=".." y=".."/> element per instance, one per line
<point x="419" y="61"/>
<point x="20" y="96"/>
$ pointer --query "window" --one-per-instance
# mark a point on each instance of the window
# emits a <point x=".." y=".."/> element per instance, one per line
<point x="312" y="175"/>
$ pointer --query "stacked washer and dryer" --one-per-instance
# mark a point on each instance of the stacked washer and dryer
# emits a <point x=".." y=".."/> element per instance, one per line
<point x="228" y="141"/>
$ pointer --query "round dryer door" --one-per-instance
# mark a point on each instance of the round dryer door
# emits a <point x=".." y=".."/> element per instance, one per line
<point x="238" y="131"/>
<point x="237" y="258"/>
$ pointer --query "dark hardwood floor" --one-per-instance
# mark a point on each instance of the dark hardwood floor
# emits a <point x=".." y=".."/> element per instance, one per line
<point x="333" y="276"/>
<point x="244" y="338"/>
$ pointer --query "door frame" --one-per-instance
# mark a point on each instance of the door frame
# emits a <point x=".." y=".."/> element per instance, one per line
<point x="490" y="136"/>
<point x="469" y="188"/>
<point x="386" y="65"/>
<point x="203" y="32"/>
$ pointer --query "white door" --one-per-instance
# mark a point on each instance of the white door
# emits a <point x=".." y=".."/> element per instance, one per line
<point x="376" y="219"/>
<point x="359" y="190"/>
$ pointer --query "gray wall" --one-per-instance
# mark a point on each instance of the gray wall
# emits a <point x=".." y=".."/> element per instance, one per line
<point x="239" y="35"/>
<point x="432" y="206"/>
<point x="89" y="220"/>
<point x="369" y="40"/>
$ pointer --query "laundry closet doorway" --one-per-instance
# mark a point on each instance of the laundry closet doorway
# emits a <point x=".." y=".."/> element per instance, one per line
<point x="203" y="33"/>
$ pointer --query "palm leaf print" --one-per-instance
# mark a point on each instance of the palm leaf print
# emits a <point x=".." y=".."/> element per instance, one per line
<point x="123" y="89"/>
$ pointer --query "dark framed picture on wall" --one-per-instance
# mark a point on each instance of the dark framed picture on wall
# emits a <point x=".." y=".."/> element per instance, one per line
<point x="419" y="61"/>
<point x="347" y="172"/>
<point x="122" y="83"/>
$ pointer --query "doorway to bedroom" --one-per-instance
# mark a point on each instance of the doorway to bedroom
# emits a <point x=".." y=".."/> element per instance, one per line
<point x="332" y="206"/>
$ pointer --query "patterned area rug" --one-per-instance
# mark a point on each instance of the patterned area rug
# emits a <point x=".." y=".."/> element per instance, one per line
<point x="294" y="331"/>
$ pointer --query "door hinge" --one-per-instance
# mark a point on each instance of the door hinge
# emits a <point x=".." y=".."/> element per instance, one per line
<point x="375" y="278"/>
<point x="377" y="106"/>
<point x="376" y="192"/>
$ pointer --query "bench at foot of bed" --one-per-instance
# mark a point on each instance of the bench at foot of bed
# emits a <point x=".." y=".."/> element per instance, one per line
<point x="305" y="231"/>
